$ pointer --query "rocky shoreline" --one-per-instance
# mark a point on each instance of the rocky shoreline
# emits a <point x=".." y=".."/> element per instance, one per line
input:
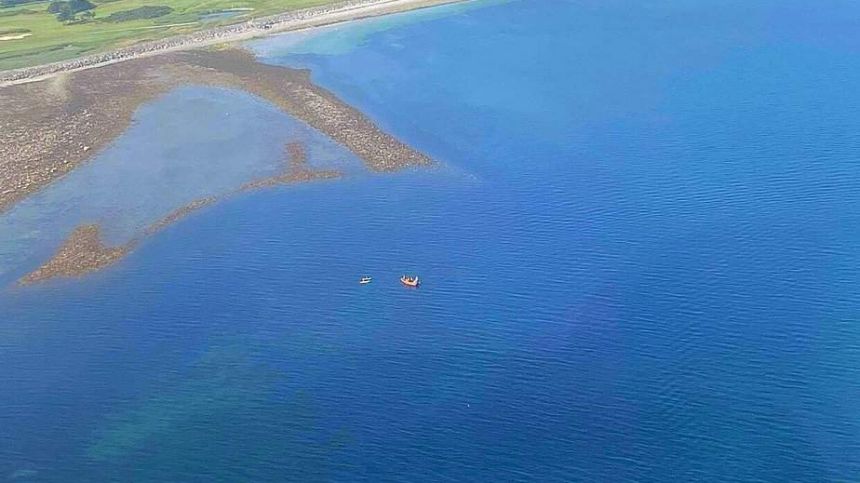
<point x="51" y="127"/>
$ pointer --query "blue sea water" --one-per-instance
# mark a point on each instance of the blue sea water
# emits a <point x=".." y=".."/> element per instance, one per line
<point x="640" y="253"/>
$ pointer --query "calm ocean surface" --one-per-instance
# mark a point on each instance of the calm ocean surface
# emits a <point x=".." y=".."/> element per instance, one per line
<point x="640" y="253"/>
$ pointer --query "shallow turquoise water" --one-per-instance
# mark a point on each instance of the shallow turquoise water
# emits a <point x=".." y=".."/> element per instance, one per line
<point x="640" y="258"/>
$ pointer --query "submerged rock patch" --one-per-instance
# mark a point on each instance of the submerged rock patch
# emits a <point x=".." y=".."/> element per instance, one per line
<point x="82" y="252"/>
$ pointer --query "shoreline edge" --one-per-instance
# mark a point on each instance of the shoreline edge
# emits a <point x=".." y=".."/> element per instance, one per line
<point x="296" y="20"/>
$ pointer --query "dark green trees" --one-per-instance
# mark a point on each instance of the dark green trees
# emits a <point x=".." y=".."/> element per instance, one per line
<point x="66" y="10"/>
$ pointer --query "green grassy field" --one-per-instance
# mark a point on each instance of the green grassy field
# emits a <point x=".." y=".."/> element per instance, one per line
<point x="29" y="35"/>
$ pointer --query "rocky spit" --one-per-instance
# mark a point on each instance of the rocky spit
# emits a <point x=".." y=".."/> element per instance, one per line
<point x="48" y="128"/>
<point x="83" y="252"/>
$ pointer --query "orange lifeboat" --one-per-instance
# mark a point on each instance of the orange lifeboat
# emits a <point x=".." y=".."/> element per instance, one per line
<point x="409" y="281"/>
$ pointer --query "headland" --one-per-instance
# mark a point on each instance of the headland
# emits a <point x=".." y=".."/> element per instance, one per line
<point x="55" y="118"/>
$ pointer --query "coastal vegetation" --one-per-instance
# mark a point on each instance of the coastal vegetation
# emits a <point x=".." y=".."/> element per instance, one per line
<point x="109" y="24"/>
<point x="12" y="13"/>
<point x="140" y="13"/>
<point x="12" y="3"/>
<point x="13" y="31"/>
<point x="68" y="9"/>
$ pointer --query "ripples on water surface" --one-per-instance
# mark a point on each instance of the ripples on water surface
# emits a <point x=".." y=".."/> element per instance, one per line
<point x="640" y="256"/>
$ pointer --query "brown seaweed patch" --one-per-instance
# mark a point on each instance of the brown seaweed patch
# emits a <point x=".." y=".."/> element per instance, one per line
<point x="178" y="214"/>
<point x="287" y="178"/>
<point x="83" y="252"/>
<point x="297" y="155"/>
<point x="296" y="170"/>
